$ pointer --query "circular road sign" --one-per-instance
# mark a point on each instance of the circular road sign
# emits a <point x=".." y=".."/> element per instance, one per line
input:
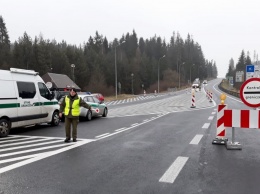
<point x="250" y="92"/>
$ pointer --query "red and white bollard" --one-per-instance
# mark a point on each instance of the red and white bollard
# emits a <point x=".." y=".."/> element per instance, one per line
<point x="210" y="96"/>
<point x="193" y="99"/>
<point x="221" y="130"/>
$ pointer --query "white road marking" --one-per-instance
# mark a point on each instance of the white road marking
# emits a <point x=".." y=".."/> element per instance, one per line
<point x="14" y="140"/>
<point x="32" y="150"/>
<point x="23" y="142"/>
<point x="18" y="158"/>
<point x="173" y="171"/>
<point x="26" y="146"/>
<point x="9" y="137"/>
<point x="213" y="113"/>
<point x="211" y="118"/>
<point x="196" y="139"/>
<point x="102" y="135"/>
<point x="206" y="126"/>
<point x="44" y="155"/>
<point x="120" y="129"/>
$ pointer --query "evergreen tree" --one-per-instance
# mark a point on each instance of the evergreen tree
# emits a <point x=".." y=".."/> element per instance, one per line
<point x="4" y="46"/>
<point x="231" y="67"/>
<point x="241" y="62"/>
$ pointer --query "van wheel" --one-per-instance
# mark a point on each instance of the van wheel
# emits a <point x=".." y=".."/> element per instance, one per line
<point x="55" y="119"/>
<point x="104" y="113"/>
<point x="89" y="115"/>
<point x="5" y="127"/>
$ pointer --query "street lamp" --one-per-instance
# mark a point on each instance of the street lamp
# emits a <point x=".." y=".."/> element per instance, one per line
<point x="132" y="83"/>
<point x="180" y="74"/>
<point x="159" y="73"/>
<point x="190" y="71"/>
<point x="73" y="66"/>
<point x="116" y="68"/>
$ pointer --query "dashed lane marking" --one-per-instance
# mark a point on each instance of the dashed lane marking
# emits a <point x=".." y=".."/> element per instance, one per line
<point x="211" y="118"/>
<point x="102" y="135"/>
<point x="173" y="171"/>
<point x="206" y="126"/>
<point x="196" y="139"/>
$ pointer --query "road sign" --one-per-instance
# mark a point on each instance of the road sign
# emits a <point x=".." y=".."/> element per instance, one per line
<point x="250" y="68"/>
<point x="250" y="92"/>
<point x="239" y="76"/>
<point x="257" y="71"/>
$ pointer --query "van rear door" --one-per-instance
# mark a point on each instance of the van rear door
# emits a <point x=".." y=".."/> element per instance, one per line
<point x="8" y="100"/>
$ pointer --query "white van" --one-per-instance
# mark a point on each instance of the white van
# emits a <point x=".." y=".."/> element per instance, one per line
<point x="25" y="100"/>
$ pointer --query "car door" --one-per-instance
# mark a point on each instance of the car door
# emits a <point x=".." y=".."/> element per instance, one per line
<point x="100" y="105"/>
<point x="46" y="104"/>
<point x="94" y="105"/>
<point x="29" y="111"/>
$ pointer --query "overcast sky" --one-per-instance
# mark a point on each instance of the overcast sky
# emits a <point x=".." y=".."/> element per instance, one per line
<point x="223" y="28"/>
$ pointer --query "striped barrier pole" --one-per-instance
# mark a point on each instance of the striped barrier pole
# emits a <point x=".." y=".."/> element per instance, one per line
<point x="221" y="131"/>
<point x="193" y="99"/>
<point x="210" y="96"/>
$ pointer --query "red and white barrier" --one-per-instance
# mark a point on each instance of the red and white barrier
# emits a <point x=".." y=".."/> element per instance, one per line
<point x="242" y="118"/>
<point x="210" y="96"/>
<point x="207" y="94"/>
<point x="221" y="130"/>
<point x="193" y="100"/>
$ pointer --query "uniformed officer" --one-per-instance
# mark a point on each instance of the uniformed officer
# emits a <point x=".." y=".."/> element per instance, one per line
<point x="71" y="108"/>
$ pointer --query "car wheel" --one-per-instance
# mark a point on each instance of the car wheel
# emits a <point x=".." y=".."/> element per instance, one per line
<point x="5" y="127"/>
<point x="55" y="119"/>
<point x="105" y="112"/>
<point x="89" y="115"/>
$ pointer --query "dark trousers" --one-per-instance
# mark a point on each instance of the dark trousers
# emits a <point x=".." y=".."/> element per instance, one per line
<point x="68" y="123"/>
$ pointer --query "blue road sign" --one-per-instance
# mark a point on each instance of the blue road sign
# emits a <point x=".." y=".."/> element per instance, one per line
<point x="250" y="68"/>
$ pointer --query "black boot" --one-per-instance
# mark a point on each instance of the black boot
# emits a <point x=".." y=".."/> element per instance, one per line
<point x="74" y="140"/>
<point x="67" y="140"/>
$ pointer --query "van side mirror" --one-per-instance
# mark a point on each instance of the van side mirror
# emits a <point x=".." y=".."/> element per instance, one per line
<point x="52" y="95"/>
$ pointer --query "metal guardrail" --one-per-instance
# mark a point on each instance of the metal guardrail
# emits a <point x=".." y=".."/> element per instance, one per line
<point x="236" y="94"/>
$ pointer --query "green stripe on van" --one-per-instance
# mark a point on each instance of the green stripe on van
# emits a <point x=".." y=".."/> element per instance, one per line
<point x="11" y="105"/>
<point x="50" y="103"/>
<point x="44" y="103"/>
<point x="15" y="105"/>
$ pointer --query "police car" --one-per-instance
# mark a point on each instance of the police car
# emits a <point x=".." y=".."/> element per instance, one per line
<point x="98" y="108"/>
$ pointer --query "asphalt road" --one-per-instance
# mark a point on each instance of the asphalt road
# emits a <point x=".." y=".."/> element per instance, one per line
<point x="148" y="145"/>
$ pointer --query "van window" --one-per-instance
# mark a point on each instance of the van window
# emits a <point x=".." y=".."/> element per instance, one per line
<point x="44" y="90"/>
<point x="26" y="89"/>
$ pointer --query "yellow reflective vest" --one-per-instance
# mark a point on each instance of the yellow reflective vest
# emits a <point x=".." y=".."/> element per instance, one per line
<point x="75" y="109"/>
